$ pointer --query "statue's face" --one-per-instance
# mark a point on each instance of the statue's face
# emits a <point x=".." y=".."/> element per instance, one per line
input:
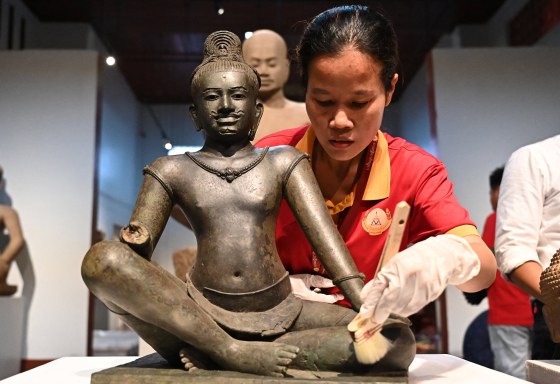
<point x="268" y="56"/>
<point x="225" y="105"/>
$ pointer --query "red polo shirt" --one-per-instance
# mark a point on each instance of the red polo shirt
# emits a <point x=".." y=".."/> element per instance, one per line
<point x="399" y="171"/>
<point x="507" y="303"/>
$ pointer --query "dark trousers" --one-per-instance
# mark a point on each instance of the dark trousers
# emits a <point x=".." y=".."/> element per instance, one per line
<point x="543" y="346"/>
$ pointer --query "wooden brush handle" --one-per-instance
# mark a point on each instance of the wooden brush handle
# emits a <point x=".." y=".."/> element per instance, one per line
<point x="362" y="328"/>
<point x="394" y="237"/>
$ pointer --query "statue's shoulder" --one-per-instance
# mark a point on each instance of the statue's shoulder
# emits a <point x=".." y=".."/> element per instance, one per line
<point x="284" y="151"/>
<point x="167" y="166"/>
<point x="285" y="155"/>
<point x="164" y="162"/>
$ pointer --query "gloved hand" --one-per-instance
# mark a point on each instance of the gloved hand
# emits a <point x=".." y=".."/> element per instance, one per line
<point x="417" y="276"/>
<point x="302" y="285"/>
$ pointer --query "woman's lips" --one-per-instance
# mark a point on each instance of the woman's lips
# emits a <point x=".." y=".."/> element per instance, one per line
<point x="340" y="143"/>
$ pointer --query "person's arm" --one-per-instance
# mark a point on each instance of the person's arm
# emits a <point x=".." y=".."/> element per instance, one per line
<point x="11" y="222"/>
<point x="488" y="266"/>
<point x="518" y="222"/>
<point x="527" y="277"/>
<point x="306" y="201"/>
<point x="419" y="274"/>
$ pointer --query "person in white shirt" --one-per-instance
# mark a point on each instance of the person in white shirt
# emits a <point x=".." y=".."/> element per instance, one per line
<point x="528" y="227"/>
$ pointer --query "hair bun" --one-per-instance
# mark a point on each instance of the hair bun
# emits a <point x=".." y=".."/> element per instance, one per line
<point x="223" y="45"/>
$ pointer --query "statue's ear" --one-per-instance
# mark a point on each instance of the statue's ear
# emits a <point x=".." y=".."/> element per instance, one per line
<point x="194" y="115"/>
<point x="258" y="115"/>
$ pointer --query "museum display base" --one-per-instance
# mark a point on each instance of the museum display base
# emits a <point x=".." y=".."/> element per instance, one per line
<point x="154" y="369"/>
<point x="425" y="369"/>
<point x="543" y="371"/>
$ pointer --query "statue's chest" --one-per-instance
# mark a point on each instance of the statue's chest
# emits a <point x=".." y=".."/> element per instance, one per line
<point x="257" y="189"/>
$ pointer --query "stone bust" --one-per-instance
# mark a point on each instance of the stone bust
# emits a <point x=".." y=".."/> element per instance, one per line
<point x="267" y="52"/>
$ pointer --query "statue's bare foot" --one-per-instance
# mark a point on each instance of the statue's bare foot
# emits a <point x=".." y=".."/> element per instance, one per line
<point x="193" y="360"/>
<point x="261" y="358"/>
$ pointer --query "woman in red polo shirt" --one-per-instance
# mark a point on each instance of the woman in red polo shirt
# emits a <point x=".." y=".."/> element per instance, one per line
<point x="348" y="60"/>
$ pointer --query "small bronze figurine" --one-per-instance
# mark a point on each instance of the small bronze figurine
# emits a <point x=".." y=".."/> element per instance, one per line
<point x="236" y="310"/>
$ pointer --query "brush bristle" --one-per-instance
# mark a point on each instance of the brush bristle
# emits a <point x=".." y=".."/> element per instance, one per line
<point x="372" y="350"/>
<point x="369" y="344"/>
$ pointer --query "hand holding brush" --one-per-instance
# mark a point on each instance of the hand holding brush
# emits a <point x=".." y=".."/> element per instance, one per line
<point x="409" y="281"/>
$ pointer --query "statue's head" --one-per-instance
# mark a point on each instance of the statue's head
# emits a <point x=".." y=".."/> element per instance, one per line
<point x="224" y="90"/>
<point x="267" y="52"/>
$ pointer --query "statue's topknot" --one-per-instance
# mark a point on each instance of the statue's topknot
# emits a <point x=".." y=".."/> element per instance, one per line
<point x="222" y="52"/>
<point x="223" y="45"/>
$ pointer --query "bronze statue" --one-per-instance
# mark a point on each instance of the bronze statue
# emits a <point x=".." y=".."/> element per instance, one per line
<point x="236" y="310"/>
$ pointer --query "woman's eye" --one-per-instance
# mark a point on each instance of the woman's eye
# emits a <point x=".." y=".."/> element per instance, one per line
<point x="324" y="103"/>
<point x="359" y="104"/>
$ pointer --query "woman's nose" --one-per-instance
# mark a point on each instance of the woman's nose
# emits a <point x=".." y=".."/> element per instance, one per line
<point x="341" y="120"/>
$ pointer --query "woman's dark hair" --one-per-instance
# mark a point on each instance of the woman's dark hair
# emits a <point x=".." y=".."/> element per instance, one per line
<point x="350" y="26"/>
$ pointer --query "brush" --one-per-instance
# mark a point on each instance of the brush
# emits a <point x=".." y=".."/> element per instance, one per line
<point x="369" y="344"/>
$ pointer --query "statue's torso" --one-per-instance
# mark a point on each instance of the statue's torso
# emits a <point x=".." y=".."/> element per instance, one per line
<point x="234" y="222"/>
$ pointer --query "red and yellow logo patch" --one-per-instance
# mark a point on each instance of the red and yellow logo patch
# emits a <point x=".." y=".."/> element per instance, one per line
<point x="376" y="221"/>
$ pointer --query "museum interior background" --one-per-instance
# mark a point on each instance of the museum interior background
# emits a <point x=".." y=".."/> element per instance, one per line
<point x="75" y="133"/>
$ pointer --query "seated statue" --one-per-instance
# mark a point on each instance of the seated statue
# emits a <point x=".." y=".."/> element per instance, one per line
<point x="9" y="222"/>
<point x="236" y="310"/>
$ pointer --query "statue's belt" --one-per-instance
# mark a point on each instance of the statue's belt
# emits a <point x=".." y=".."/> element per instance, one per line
<point x="273" y="321"/>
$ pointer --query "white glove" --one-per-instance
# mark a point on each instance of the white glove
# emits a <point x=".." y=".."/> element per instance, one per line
<point x="302" y="285"/>
<point x="417" y="276"/>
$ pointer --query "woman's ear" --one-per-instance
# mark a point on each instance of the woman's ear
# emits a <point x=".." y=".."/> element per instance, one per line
<point x="390" y="91"/>
<point x="194" y="116"/>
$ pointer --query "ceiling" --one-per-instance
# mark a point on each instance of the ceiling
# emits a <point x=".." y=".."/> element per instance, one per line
<point x="158" y="43"/>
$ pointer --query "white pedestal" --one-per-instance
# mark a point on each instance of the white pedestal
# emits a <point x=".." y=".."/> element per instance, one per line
<point x="11" y="335"/>
<point x="425" y="369"/>
<point x="543" y="371"/>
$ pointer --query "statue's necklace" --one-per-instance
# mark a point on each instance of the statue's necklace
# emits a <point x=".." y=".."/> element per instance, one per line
<point x="228" y="174"/>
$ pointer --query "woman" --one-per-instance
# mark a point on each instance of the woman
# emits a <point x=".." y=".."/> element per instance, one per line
<point x="348" y="62"/>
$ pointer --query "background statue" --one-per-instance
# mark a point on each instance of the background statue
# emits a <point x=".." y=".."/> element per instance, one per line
<point x="236" y="310"/>
<point x="267" y="52"/>
<point x="5" y="199"/>
<point x="9" y="221"/>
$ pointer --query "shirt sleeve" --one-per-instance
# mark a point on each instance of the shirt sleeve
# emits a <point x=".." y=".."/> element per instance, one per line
<point x="520" y="209"/>
<point x="436" y="209"/>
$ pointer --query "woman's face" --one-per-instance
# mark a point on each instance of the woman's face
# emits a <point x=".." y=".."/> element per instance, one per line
<point x="345" y="100"/>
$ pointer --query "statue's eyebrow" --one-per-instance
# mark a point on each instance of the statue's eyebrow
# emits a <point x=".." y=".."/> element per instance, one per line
<point x="239" y="88"/>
